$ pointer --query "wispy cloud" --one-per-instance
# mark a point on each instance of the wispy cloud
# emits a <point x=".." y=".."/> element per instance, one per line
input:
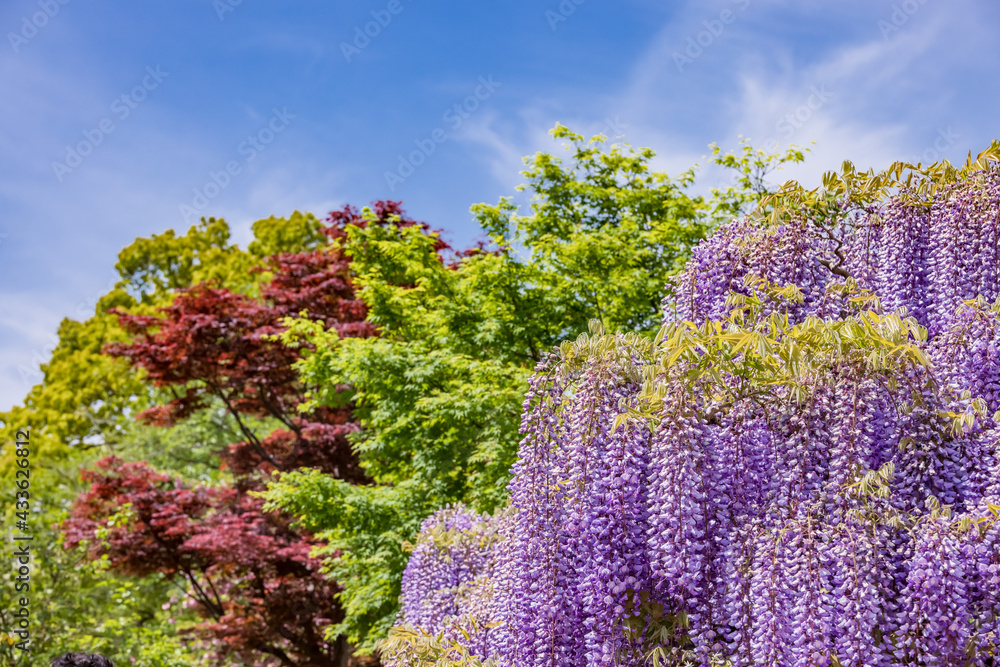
<point x="27" y="338"/>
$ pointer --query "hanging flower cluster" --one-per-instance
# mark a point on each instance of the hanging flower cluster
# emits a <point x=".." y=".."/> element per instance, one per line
<point x="801" y="469"/>
<point x="445" y="557"/>
<point x="447" y="590"/>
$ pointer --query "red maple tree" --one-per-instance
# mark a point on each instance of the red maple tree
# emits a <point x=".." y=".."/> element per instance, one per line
<point x="249" y="572"/>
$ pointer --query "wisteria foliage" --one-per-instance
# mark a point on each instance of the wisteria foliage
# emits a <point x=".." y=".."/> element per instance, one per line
<point x="801" y="469"/>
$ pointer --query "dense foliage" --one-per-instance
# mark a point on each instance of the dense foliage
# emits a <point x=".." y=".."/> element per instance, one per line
<point x="799" y="469"/>
<point x="248" y="571"/>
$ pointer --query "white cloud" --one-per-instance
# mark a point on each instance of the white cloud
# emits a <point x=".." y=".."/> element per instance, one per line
<point x="500" y="144"/>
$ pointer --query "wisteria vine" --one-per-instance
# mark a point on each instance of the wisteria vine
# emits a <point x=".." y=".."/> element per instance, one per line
<point x="801" y="469"/>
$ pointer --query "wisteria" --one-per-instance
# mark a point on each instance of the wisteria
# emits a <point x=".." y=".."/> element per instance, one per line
<point x="443" y="560"/>
<point x="447" y="588"/>
<point x="802" y="469"/>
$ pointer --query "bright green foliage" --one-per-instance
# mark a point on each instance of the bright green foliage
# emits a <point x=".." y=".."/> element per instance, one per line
<point x="297" y="233"/>
<point x="151" y="268"/>
<point x="752" y="167"/>
<point x="431" y="415"/>
<point x="439" y="394"/>
<point x="604" y="233"/>
<point x="437" y="426"/>
<point x="77" y="606"/>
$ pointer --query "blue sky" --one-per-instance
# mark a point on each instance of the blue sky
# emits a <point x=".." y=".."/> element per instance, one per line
<point x="115" y="117"/>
